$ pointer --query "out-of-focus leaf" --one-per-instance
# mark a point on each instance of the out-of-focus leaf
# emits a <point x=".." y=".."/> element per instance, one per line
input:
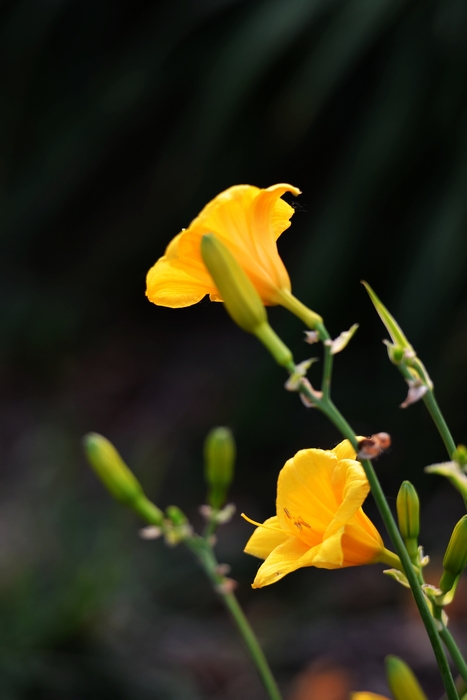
<point x="354" y="28"/>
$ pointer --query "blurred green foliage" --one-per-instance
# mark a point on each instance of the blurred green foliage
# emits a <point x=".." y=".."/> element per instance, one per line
<point x="119" y="121"/>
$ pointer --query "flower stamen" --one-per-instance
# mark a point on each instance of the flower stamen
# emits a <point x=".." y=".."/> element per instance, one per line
<point x="266" y="527"/>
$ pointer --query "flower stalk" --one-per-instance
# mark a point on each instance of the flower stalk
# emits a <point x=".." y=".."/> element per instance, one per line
<point x="438" y="419"/>
<point x="326" y="405"/>
<point x="330" y="410"/>
<point x="204" y="553"/>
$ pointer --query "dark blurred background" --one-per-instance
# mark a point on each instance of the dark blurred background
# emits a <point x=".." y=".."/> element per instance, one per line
<point x="119" y="121"/>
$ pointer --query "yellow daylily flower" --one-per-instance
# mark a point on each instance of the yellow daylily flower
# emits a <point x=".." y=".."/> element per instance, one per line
<point x="248" y="220"/>
<point x="367" y="696"/>
<point x="319" y="519"/>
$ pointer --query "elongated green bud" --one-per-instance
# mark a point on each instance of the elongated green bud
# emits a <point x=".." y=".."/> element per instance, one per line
<point x="219" y="460"/>
<point x="118" y="478"/>
<point x="408" y="514"/>
<point x="241" y="299"/>
<point x="401" y="680"/>
<point x="455" y="558"/>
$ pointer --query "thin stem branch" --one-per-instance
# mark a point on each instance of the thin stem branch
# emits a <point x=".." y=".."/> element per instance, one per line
<point x="328" y="408"/>
<point x="438" y="419"/>
<point x="205" y="555"/>
<point x="328" y="360"/>
<point x="249" y="638"/>
<point x="454" y="651"/>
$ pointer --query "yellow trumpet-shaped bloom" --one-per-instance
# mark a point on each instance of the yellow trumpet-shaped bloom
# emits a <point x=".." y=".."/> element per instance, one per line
<point x="248" y="220"/>
<point x="319" y="520"/>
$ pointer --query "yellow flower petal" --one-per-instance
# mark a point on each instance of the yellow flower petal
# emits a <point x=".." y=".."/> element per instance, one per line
<point x="248" y="221"/>
<point x="264" y="540"/>
<point x="305" y="494"/>
<point x="169" y="284"/>
<point x="361" y="541"/>
<point x="294" y="554"/>
<point x="344" y="450"/>
<point x="329" y="554"/>
<point x="367" y="696"/>
<point x="282" y="560"/>
<point x="350" y="487"/>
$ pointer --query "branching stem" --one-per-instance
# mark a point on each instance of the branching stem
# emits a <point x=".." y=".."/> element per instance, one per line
<point x="326" y="405"/>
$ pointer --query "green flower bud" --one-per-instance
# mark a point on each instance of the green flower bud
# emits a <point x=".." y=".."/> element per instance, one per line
<point x="176" y="516"/>
<point x="401" y="680"/>
<point x="395" y="352"/>
<point x="408" y="514"/>
<point x="117" y="477"/>
<point x="460" y="455"/>
<point x="241" y="299"/>
<point x="111" y="469"/>
<point x="455" y="558"/>
<point x="219" y="460"/>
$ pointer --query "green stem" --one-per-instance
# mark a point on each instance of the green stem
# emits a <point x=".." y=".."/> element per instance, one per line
<point x="295" y="306"/>
<point x="208" y="561"/>
<point x="249" y="638"/>
<point x="454" y="651"/>
<point x="438" y="419"/>
<point x="390" y="559"/>
<point x="461" y="689"/>
<point x="328" y="360"/>
<point x="341" y="424"/>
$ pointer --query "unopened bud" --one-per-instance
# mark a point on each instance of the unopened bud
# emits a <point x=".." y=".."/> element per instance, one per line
<point x="118" y="478"/>
<point x="460" y="455"/>
<point x="402" y="681"/>
<point x="241" y="299"/>
<point x="455" y="558"/>
<point x="408" y="514"/>
<point x="176" y="516"/>
<point x="111" y="469"/>
<point x="395" y="352"/>
<point x="219" y="460"/>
